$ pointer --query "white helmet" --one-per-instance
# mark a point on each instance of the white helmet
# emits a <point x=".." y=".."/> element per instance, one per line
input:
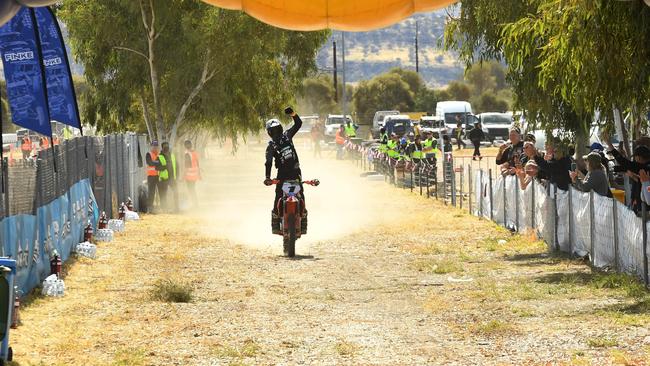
<point x="274" y="128"/>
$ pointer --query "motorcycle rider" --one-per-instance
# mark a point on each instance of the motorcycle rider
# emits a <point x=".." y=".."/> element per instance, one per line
<point x="282" y="150"/>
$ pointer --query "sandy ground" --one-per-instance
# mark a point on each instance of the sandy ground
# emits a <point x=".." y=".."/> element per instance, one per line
<point x="384" y="277"/>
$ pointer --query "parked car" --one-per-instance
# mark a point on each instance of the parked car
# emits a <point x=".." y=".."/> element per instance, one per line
<point x="496" y="126"/>
<point x="378" y="121"/>
<point x="433" y="124"/>
<point x="399" y="124"/>
<point x="307" y="123"/>
<point x="333" y="123"/>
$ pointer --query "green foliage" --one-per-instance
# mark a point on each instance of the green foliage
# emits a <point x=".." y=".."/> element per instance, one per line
<point x="458" y="90"/>
<point x="565" y="58"/>
<point x="183" y="64"/>
<point x="489" y="102"/>
<point x="426" y="99"/>
<point x="318" y="96"/>
<point x="384" y="92"/>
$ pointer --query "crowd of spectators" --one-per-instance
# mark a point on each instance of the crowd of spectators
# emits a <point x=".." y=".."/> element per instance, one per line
<point x="600" y="170"/>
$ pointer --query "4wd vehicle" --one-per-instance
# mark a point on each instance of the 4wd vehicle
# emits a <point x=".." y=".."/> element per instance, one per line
<point x="333" y="123"/>
<point x="433" y="124"/>
<point x="399" y="124"/>
<point x="378" y="121"/>
<point x="496" y="126"/>
<point x="307" y="123"/>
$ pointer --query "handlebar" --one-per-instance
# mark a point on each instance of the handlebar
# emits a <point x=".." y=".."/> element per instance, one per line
<point x="313" y="182"/>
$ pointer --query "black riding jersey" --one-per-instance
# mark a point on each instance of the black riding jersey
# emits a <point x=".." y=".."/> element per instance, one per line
<point x="284" y="153"/>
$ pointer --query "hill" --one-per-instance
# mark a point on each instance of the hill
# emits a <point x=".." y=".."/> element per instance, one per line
<point x="372" y="53"/>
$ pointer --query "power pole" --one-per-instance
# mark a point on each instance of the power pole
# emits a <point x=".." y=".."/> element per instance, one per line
<point x="336" y="83"/>
<point x="345" y="106"/>
<point x="417" y="59"/>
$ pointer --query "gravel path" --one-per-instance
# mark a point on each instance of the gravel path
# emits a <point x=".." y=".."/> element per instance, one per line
<point x="383" y="278"/>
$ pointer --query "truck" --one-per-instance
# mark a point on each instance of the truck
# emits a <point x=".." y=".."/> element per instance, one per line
<point x="399" y="124"/>
<point x="332" y="124"/>
<point x="496" y="126"/>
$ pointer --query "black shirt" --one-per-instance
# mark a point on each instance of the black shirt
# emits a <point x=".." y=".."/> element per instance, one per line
<point x="284" y="153"/>
<point x="508" y="155"/>
<point x="556" y="170"/>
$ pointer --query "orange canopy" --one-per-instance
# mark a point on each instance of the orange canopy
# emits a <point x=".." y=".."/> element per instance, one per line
<point x="347" y="15"/>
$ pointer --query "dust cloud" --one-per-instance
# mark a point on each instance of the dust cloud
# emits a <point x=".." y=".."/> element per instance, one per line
<point x="235" y="205"/>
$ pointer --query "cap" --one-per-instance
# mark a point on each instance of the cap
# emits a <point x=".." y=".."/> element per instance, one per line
<point x="530" y="137"/>
<point x="154" y="143"/>
<point x="642" y="151"/>
<point x="596" y="146"/>
<point x="515" y="129"/>
<point x="593" y="157"/>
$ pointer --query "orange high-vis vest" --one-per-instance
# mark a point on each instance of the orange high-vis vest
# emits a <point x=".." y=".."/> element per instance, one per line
<point x="151" y="170"/>
<point x="55" y="140"/>
<point x="339" y="139"/>
<point x="192" y="173"/>
<point x="27" y="144"/>
<point x="46" y="143"/>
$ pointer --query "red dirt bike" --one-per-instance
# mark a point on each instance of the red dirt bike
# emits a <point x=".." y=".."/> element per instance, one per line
<point x="292" y="209"/>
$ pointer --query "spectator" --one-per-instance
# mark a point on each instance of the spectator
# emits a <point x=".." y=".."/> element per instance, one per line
<point x="644" y="177"/>
<point x="317" y="133"/>
<point x="527" y="174"/>
<point x="641" y="161"/>
<point x="340" y="142"/>
<point x="555" y="164"/>
<point x="510" y="152"/>
<point x="446" y="144"/>
<point x="596" y="178"/>
<point x="476" y="135"/>
<point x="459" y="133"/>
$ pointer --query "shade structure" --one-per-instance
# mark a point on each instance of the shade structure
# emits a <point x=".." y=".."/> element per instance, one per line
<point x="346" y="15"/>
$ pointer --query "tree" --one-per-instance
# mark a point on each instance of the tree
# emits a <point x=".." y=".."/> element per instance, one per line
<point x="412" y="78"/>
<point x="458" y="90"/>
<point x="384" y="92"/>
<point x="481" y="78"/>
<point x="426" y="100"/>
<point x="489" y="102"/>
<point x="317" y="95"/>
<point x="184" y="64"/>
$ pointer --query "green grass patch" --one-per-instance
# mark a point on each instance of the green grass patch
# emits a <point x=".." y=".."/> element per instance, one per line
<point x="493" y="328"/>
<point x="129" y="357"/>
<point x="170" y="290"/>
<point x="346" y="348"/>
<point x="602" y="342"/>
<point x="441" y="266"/>
<point x="248" y="349"/>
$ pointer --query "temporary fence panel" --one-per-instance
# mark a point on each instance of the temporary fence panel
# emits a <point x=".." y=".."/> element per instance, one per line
<point x="562" y="227"/>
<point x="525" y="208"/>
<point x="581" y="223"/>
<point x="603" y="232"/>
<point x="510" y="198"/>
<point x="630" y="240"/>
<point x="497" y="200"/>
<point x="22" y="187"/>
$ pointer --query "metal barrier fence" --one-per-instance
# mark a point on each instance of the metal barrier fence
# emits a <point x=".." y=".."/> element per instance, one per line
<point x="582" y="224"/>
<point x="112" y="164"/>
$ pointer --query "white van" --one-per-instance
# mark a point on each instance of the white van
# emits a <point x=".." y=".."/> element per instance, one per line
<point x="378" y="121"/>
<point x="448" y="110"/>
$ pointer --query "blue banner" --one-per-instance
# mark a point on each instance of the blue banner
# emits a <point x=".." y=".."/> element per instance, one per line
<point x="30" y="239"/>
<point x="24" y="73"/>
<point x="60" y="88"/>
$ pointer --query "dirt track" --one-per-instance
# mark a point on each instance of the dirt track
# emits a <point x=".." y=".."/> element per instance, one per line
<point x="383" y="278"/>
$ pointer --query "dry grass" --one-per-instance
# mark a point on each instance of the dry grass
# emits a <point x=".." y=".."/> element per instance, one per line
<point x="346" y="349"/>
<point x="172" y="290"/>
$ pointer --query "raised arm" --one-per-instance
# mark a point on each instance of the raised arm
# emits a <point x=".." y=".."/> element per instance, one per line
<point x="269" y="162"/>
<point x="297" y="123"/>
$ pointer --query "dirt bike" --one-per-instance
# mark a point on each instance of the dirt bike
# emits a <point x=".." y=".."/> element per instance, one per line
<point x="292" y="210"/>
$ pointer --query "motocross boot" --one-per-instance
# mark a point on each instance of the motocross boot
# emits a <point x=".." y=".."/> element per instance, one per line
<point x="303" y="223"/>
<point x="275" y="223"/>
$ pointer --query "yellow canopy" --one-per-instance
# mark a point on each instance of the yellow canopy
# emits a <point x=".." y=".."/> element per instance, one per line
<point x="347" y="15"/>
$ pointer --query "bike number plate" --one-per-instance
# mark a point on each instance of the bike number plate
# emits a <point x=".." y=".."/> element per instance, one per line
<point x="290" y="189"/>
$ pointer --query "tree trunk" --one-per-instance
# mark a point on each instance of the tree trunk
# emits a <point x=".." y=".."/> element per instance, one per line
<point x="149" y="22"/>
<point x="147" y="118"/>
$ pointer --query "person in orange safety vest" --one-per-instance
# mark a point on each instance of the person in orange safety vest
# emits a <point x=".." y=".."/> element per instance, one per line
<point x="152" y="174"/>
<point x="192" y="171"/>
<point x="26" y="146"/>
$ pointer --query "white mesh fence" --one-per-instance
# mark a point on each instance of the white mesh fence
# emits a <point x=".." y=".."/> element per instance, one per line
<point x="563" y="220"/>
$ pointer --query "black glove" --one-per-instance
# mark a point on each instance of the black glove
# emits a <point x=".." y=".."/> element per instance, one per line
<point x="288" y="110"/>
<point x="268" y="182"/>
